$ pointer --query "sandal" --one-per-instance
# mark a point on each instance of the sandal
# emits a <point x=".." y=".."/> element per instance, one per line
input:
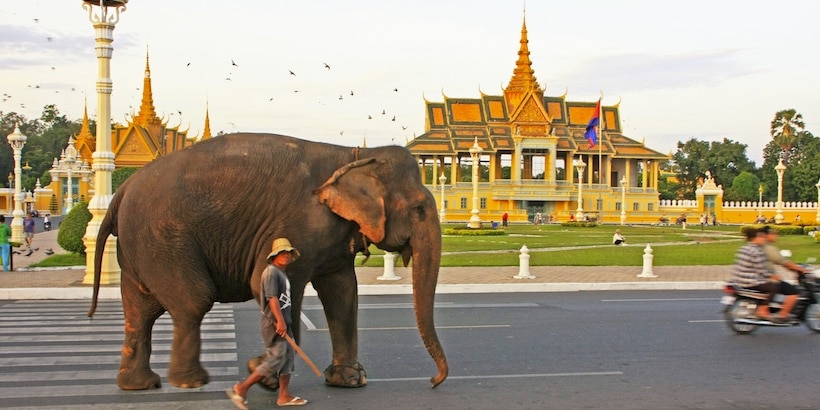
<point x="297" y="401"/>
<point x="238" y="401"/>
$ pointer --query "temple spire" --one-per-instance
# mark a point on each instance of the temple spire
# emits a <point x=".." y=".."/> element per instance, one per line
<point x="147" y="114"/>
<point x="206" y="134"/>
<point x="523" y="79"/>
<point x="86" y="143"/>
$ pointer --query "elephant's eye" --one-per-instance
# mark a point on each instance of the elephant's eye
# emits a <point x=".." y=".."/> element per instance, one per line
<point x="421" y="212"/>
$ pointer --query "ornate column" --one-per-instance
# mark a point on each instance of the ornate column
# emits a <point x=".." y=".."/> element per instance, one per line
<point x="17" y="140"/>
<point x="780" y="169"/>
<point x="104" y="20"/>
<point x="475" y="154"/>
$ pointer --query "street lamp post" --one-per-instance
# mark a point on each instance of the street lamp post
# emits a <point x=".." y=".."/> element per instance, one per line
<point x="580" y="166"/>
<point x="475" y="152"/>
<point x="17" y="140"/>
<point x="70" y="158"/>
<point x="11" y="196"/>
<point x="104" y="19"/>
<point x="780" y="169"/>
<point x="441" y="180"/>
<point x="760" y="202"/>
<point x="623" y="200"/>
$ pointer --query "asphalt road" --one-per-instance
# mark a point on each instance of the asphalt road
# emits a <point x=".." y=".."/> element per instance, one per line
<point x="595" y="350"/>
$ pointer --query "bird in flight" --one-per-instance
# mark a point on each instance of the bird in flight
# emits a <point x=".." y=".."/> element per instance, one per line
<point x="327" y="66"/>
<point x="341" y="133"/>
<point x="234" y="64"/>
<point x="383" y="112"/>
<point x="351" y="92"/>
<point x="291" y="72"/>
<point x="369" y="117"/>
<point x="396" y="89"/>
<point x="188" y="65"/>
<point x="36" y="20"/>
<point x="403" y="127"/>
<point x="394" y="118"/>
<point x="340" y="97"/>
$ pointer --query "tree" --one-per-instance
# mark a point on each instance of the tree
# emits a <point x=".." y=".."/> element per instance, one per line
<point x="72" y="229"/>
<point x="802" y="169"/>
<point x="744" y="188"/>
<point x="724" y="160"/>
<point x="784" y="129"/>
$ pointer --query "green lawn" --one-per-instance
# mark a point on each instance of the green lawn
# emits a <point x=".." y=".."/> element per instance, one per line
<point x="556" y="245"/>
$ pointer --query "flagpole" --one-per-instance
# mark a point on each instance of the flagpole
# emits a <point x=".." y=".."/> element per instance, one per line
<point x="600" y="168"/>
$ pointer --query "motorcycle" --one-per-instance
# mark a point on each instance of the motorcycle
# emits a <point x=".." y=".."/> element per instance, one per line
<point x="741" y="305"/>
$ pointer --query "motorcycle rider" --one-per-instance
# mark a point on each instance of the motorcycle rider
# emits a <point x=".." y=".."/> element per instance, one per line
<point x="752" y="272"/>
<point x="774" y="259"/>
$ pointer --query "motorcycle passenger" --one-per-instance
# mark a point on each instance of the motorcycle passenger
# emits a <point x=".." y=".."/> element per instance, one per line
<point x="751" y="270"/>
<point x="774" y="259"/>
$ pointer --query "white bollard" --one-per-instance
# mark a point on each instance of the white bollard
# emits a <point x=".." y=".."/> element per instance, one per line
<point x="389" y="268"/>
<point x="647" y="263"/>
<point x="524" y="264"/>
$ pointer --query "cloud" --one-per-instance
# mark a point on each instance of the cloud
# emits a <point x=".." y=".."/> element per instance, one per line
<point x="633" y="72"/>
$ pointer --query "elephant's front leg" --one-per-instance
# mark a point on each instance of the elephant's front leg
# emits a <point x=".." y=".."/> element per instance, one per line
<point x="185" y="370"/>
<point x="141" y="311"/>
<point x="339" y="297"/>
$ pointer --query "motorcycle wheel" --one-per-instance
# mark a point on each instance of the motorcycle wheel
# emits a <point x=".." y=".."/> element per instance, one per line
<point x="813" y="317"/>
<point x="741" y="309"/>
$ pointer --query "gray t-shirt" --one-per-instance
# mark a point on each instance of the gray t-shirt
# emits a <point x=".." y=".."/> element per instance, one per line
<point x="275" y="285"/>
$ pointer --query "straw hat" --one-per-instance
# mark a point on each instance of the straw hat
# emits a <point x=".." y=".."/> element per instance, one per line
<point x="282" y="245"/>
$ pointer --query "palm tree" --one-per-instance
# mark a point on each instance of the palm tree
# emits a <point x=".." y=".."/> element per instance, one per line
<point x="784" y="128"/>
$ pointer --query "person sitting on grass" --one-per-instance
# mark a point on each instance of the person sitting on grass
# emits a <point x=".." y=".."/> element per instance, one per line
<point x="618" y="239"/>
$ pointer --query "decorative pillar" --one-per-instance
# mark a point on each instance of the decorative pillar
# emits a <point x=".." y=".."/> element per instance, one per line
<point x="104" y="20"/>
<point x="580" y="165"/>
<point x="780" y="169"/>
<point x="442" y="179"/>
<point x="760" y="202"/>
<point x="475" y="154"/>
<point x="623" y="200"/>
<point x="17" y="140"/>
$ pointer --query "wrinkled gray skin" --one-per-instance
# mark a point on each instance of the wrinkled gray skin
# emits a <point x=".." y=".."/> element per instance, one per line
<point x="194" y="227"/>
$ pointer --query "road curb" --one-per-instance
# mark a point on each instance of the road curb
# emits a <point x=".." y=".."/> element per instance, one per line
<point x="113" y="293"/>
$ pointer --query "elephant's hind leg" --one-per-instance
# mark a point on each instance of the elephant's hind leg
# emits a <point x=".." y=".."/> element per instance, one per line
<point x="187" y="306"/>
<point x="141" y="311"/>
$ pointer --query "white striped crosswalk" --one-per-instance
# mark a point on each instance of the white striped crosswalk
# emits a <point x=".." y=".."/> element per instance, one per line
<point x="53" y="356"/>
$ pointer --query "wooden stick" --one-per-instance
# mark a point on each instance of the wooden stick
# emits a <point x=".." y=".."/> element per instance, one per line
<point x="303" y="355"/>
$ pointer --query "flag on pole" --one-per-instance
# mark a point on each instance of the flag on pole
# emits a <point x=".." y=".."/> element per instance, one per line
<point x="591" y="133"/>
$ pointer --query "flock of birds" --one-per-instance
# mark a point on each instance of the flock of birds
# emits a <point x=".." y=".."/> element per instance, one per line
<point x="372" y="115"/>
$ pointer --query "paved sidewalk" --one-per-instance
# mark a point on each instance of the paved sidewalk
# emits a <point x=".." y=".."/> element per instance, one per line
<point x="30" y="283"/>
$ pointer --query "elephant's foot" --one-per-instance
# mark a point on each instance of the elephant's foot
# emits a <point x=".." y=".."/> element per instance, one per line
<point x="188" y="378"/>
<point x="138" y="380"/>
<point x="346" y="376"/>
<point x="269" y="383"/>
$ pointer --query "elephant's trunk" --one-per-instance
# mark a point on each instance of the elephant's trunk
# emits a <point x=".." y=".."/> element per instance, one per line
<point x="426" y="245"/>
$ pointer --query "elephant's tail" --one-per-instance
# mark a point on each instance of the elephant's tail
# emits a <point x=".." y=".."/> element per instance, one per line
<point x="107" y="228"/>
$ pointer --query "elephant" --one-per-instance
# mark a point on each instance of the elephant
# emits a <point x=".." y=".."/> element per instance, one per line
<point x="194" y="227"/>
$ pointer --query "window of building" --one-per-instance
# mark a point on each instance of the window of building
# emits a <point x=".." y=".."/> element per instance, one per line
<point x="482" y="203"/>
<point x="463" y="202"/>
<point x="617" y="206"/>
<point x="636" y="206"/>
<point x="650" y="207"/>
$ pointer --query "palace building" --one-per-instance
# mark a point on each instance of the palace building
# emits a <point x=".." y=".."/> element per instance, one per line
<point x="531" y="146"/>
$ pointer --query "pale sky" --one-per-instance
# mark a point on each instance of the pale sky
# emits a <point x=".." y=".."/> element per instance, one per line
<point x="681" y="69"/>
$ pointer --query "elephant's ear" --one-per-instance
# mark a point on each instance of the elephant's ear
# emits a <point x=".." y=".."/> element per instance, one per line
<point x="355" y="194"/>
